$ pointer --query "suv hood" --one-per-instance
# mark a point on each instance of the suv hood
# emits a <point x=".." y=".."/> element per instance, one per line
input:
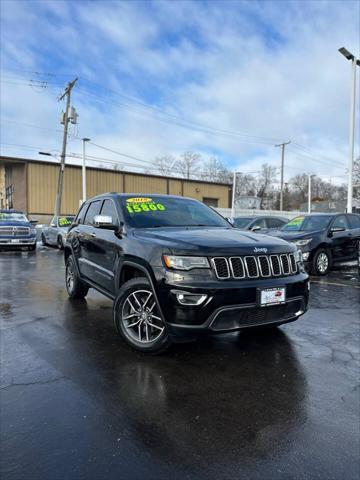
<point x="212" y="241"/>
<point x="291" y="236"/>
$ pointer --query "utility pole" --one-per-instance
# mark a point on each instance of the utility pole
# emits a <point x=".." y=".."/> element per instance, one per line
<point x="282" y="145"/>
<point x="354" y="62"/>
<point x="233" y="200"/>
<point x="233" y="196"/>
<point x="67" y="94"/>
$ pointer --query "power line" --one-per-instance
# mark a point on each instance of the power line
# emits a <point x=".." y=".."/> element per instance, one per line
<point x="181" y="123"/>
<point x="317" y="160"/>
<point x="182" y="119"/>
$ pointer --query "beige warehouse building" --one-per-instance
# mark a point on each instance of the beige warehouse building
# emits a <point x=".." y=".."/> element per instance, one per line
<point x="30" y="186"/>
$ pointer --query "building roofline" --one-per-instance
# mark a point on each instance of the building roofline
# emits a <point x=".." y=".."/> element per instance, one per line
<point x="127" y="172"/>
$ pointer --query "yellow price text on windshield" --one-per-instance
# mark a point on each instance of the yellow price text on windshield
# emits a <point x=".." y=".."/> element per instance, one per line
<point x="139" y="200"/>
<point x="64" y="221"/>
<point x="145" y="207"/>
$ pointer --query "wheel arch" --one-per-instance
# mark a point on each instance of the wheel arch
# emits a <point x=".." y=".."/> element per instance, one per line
<point x="133" y="267"/>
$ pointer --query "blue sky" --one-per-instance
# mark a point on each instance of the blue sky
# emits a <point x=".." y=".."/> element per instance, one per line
<point x="159" y="78"/>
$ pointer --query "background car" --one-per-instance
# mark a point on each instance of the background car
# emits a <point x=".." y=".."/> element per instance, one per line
<point x="263" y="223"/>
<point x="16" y="231"/>
<point x="324" y="239"/>
<point x="55" y="233"/>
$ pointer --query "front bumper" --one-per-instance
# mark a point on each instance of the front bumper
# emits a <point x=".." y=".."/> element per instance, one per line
<point x="8" y="243"/>
<point x="231" y="305"/>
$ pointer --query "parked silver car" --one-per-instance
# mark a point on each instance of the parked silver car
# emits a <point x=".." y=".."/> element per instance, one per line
<point x="55" y="233"/>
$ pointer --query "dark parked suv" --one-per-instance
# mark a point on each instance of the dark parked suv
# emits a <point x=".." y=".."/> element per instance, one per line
<point x="175" y="268"/>
<point x="324" y="239"/>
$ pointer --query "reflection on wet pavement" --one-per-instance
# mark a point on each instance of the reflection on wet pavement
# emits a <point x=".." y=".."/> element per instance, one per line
<point x="78" y="404"/>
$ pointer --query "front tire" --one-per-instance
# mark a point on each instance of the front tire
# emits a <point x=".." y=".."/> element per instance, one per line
<point x="75" y="287"/>
<point x="43" y="240"/>
<point x="321" y="262"/>
<point x="138" y="319"/>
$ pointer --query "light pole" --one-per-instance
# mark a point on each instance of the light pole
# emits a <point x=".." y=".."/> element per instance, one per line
<point x="84" y="170"/>
<point x="309" y="192"/>
<point x="354" y="61"/>
<point x="234" y="194"/>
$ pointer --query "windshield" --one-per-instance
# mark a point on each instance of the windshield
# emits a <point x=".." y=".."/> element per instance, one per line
<point x="65" y="221"/>
<point x="13" y="217"/>
<point x="241" y="222"/>
<point x="306" y="224"/>
<point x="169" y="212"/>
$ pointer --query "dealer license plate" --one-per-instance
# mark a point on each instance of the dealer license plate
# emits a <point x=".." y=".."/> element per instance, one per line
<point x="272" y="296"/>
<point x="15" y="240"/>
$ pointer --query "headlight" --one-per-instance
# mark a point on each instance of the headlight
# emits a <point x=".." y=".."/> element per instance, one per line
<point x="302" y="243"/>
<point x="298" y="256"/>
<point x="185" y="263"/>
<point x="33" y="231"/>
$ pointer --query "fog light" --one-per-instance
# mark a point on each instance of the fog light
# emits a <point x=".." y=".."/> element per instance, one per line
<point x="185" y="298"/>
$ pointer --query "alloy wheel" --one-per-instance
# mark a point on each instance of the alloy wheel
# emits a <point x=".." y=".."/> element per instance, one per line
<point x="141" y="318"/>
<point x="322" y="262"/>
<point x="69" y="278"/>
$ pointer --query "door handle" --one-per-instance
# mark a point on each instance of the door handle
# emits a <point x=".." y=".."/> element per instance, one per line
<point x="93" y="235"/>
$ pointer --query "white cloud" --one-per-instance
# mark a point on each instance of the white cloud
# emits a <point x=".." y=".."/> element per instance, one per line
<point x="267" y="69"/>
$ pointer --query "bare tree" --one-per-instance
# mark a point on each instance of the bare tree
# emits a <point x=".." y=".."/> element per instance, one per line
<point x="356" y="178"/>
<point x="215" y="171"/>
<point x="188" y="164"/>
<point x="165" y="164"/>
<point x="245" y="185"/>
<point x="265" y="182"/>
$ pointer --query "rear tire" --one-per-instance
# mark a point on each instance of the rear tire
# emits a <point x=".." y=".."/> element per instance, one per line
<point x="60" y="243"/>
<point x="321" y="262"/>
<point x="75" y="287"/>
<point x="138" y="319"/>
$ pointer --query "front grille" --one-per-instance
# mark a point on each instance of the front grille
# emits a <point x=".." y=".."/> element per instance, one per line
<point x="251" y="266"/>
<point x="275" y="265"/>
<point x="237" y="267"/>
<point x="14" y="231"/>
<point x="221" y="267"/>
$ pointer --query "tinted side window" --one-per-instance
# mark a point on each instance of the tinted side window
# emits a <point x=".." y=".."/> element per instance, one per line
<point x="109" y="210"/>
<point x="275" y="222"/>
<point x="260" y="222"/>
<point x="340" y="221"/>
<point x="93" y="210"/>
<point x="81" y="213"/>
<point x="354" y="221"/>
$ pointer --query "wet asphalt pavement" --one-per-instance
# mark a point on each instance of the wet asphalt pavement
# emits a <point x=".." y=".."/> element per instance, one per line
<point x="77" y="404"/>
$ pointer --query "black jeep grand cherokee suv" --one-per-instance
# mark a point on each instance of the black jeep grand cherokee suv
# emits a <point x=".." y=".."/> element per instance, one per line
<point x="176" y="268"/>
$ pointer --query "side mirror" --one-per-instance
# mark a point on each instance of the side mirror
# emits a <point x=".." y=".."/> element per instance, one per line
<point x="104" y="221"/>
<point x="255" y="229"/>
<point x="335" y="230"/>
<point x="52" y="224"/>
